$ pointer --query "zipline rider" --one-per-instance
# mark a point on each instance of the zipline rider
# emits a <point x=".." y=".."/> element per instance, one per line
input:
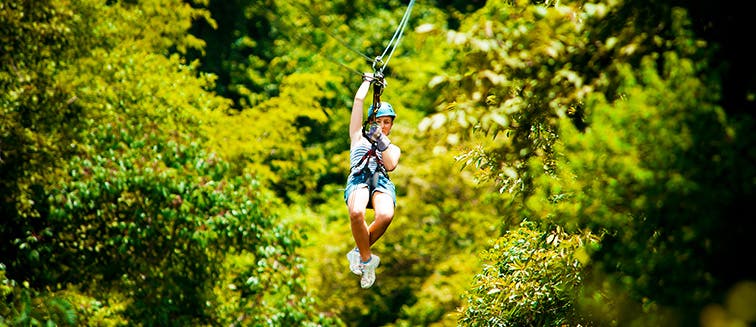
<point x="372" y="156"/>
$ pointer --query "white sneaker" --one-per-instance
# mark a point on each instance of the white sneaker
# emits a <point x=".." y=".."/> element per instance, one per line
<point x="368" y="271"/>
<point x="354" y="261"/>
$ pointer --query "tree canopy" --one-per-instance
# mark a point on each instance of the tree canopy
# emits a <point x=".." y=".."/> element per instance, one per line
<point x="173" y="163"/>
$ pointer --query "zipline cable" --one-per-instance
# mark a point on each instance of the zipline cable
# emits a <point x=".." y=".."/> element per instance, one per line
<point x="378" y="64"/>
<point x="316" y="21"/>
<point x="394" y="42"/>
<point x="379" y="83"/>
<point x="319" y="51"/>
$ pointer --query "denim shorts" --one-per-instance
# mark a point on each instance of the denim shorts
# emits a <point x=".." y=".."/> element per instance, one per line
<point x="362" y="178"/>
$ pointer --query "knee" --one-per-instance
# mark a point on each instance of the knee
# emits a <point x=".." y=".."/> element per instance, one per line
<point x="356" y="214"/>
<point x="384" y="216"/>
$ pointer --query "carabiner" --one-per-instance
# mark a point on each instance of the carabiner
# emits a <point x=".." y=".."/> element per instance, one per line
<point x="378" y="60"/>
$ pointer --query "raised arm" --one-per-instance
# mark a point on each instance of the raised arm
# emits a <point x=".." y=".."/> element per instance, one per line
<point x="355" y="123"/>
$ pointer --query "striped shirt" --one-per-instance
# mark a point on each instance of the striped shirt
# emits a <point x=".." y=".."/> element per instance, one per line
<point x="358" y="152"/>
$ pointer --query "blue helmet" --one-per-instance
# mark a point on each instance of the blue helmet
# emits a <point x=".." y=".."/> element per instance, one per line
<point x="384" y="110"/>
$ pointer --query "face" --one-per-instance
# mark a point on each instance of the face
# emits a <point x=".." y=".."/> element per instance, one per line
<point x="385" y="122"/>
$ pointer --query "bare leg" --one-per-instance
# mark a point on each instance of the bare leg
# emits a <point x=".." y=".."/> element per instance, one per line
<point x="357" y="204"/>
<point x="384" y="214"/>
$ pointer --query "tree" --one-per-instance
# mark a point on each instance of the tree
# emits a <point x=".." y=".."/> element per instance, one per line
<point x="528" y="278"/>
<point x="605" y="117"/>
<point x="136" y="218"/>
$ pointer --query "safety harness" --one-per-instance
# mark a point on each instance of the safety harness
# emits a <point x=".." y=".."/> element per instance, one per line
<point x="378" y="85"/>
<point x="372" y="176"/>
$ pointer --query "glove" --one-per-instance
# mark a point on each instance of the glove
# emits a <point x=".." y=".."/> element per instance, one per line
<point x="376" y="137"/>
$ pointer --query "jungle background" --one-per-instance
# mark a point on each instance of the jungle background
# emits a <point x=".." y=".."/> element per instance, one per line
<point x="565" y="163"/>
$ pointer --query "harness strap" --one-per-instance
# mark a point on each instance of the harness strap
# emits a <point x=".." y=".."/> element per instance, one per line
<point x="366" y="167"/>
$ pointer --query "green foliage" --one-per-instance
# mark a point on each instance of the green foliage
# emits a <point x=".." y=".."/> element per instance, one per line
<point x="44" y="114"/>
<point x="528" y="279"/>
<point x="428" y="253"/>
<point x="23" y="306"/>
<point x="252" y="47"/>
<point x="437" y="301"/>
<point x="133" y="194"/>
<point x="524" y="68"/>
<point x="155" y="225"/>
<point x="599" y="117"/>
<point x="442" y="215"/>
<point x="290" y="158"/>
<point x="262" y="293"/>
<point x="35" y="111"/>
<point x="131" y="217"/>
<point x="650" y="159"/>
<point x="257" y="44"/>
